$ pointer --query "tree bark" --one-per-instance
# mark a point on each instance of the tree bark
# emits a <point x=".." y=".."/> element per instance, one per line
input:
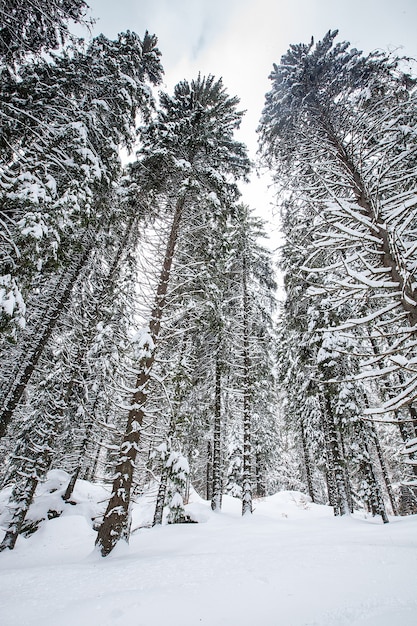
<point x="247" y="396"/>
<point x="209" y="472"/>
<point x="216" y="499"/>
<point x="160" y="500"/>
<point x="341" y="503"/>
<point x="116" y="518"/>
<point x="307" y="462"/>
<point x="384" y="469"/>
<point x="376" y="501"/>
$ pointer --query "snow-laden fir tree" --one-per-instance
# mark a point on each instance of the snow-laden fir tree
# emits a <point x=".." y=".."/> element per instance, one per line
<point x="186" y="154"/>
<point x="339" y="129"/>
<point x="35" y="26"/>
<point x="67" y="124"/>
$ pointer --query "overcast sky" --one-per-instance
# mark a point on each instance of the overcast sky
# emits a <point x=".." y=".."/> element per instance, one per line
<point x="240" y="39"/>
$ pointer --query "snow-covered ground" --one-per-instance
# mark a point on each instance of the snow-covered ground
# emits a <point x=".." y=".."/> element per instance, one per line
<point x="289" y="564"/>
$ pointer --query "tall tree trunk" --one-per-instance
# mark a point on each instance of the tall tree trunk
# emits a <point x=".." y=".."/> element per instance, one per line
<point x="344" y="457"/>
<point x="307" y="462"/>
<point x="341" y="505"/>
<point x="247" y="397"/>
<point x="209" y="471"/>
<point x="216" y="499"/>
<point x="260" y="478"/>
<point x="116" y="518"/>
<point x="384" y="469"/>
<point x="160" y="499"/>
<point x="375" y="501"/>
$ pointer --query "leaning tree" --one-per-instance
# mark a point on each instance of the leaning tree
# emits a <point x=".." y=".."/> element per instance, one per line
<point x="187" y="154"/>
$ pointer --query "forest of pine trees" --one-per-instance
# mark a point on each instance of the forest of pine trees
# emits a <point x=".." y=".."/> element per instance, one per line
<point x="142" y="342"/>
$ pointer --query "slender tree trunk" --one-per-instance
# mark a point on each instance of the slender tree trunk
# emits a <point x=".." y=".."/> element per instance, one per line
<point x="160" y="500"/>
<point x="209" y="472"/>
<point x="71" y="484"/>
<point x="260" y="480"/>
<point x="345" y="471"/>
<point x="384" y="469"/>
<point x="116" y="518"/>
<point x="341" y="505"/>
<point x="216" y="500"/>
<point x="375" y="500"/>
<point x="247" y="397"/>
<point x="307" y="462"/>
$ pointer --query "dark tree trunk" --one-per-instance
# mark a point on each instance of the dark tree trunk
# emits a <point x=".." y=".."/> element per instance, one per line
<point x="116" y="518"/>
<point x="160" y="500"/>
<point x="216" y="500"/>
<point x="260" y="476"/>
<point x="209" y="472"/>
<point x="247" y="397"/>
<point x="307" y="461"/>
<point x="375" y="502"/>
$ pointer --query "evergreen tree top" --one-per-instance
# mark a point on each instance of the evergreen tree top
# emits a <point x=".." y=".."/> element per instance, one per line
<point x="36" y="26"/>
<point x="318" y="80"/>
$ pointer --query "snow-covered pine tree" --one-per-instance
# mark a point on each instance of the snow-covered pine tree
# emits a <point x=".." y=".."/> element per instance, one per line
<point x="255" y="284"/>
<point x="35" y="26"/>
<point x="338" y="128"/>
<point x="338" y="131"/>
<point x="67" y="123"/>
<point x="187" y="153"/>
<point x="71" y="392"/>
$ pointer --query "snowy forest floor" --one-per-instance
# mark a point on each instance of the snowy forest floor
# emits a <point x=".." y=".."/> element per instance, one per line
<point x="289" y="564"/>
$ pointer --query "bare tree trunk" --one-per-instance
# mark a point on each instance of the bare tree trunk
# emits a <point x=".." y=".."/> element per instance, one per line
<point x="116" y="518"/>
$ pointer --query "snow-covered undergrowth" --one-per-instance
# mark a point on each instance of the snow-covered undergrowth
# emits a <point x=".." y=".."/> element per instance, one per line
<point x="291" y="563"/>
